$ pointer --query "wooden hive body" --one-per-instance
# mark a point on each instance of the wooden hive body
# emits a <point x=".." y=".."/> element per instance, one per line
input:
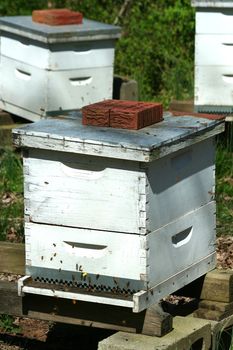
<point x="120" y="216"/>
<point x="213" y="56"/>
<point x="48" y="69"/>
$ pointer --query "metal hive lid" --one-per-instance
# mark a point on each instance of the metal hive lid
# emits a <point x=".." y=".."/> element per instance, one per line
<point x="87" y="31"/>
<point x="147" y="144"/>
<point x="213" y="3"/>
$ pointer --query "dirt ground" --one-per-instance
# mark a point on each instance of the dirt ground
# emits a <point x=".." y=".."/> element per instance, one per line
<point x="41" y="335"/>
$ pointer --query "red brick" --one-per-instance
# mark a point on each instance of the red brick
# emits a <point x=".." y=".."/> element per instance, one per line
<point x="96" y="115"/>
<point x="57" y="17"/>
<point x="122" y="114"/>
<point x="198" y="115"/>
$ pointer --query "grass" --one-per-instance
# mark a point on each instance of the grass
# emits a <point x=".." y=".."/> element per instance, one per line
<point x="224" y="182"/>
<point x="224" y="192"/>
<point x="7" y="324"/>
<point x="11" y="196"/>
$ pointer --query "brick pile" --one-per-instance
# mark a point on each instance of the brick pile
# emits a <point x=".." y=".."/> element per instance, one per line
<point x="122" y="114"/>
<point x="57" y="17"/>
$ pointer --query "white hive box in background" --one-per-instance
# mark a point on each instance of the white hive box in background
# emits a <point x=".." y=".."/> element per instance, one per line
<point x="214" y="56"/>
<point x="122" y="217"/>
<point x="48" y="69"/>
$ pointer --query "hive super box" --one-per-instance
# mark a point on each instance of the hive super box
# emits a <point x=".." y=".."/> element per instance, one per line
<point x="121" y="217"/>
<point x="214" y="56"/>
<point x="48" y="69"/>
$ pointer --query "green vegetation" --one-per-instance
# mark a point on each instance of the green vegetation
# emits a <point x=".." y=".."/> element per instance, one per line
<point x="156" y="49"/>
<point x="157" y="43"/>
<point x="7" y="324"/>
<point x="11" y="196"/>
<point x="224" y="190"/>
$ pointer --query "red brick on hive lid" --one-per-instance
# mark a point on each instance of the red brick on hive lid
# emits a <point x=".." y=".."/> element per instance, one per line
<point x="135" y="115"/>
<point x="122" y="114"/>
<point x="57" y="17"/>
<point x="97" y="114"/>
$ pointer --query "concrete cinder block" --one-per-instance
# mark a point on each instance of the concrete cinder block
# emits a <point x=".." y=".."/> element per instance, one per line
<point x="125" y="89"/>
<point x="218" y="329"/>
<point x="188" y="333"/>
<point x="129" y="90"/>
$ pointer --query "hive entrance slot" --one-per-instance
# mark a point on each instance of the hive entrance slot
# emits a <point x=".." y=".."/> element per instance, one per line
<point x="182" y="237"/>
<point x="80" y="80"/>
<point x="22" y="74"/>
<point x="85" y="245"/>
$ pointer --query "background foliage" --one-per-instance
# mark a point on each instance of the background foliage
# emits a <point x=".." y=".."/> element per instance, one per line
<point x="157" y="43"/>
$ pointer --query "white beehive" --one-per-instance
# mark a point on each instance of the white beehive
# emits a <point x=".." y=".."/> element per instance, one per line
<point x="214" y="56"/>
<point x="114" y="211"/>
<point x="48" y="69"/>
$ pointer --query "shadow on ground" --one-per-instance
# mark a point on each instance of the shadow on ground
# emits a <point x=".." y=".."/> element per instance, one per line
<point x="59" y="337"/>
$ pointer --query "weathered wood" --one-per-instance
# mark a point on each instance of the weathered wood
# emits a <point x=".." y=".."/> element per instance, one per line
<point x="148" y="322"/>
<point x="157" y="322"/>
<point x="173" y="134"/>
<point x="183" y="106"/>
<point x="212" y="314"/>
<point x="51" y="244"/>
<point x="216" y="305"/>
<point x="218" y="286"/>
<point x="214" y="310"/>
<point x="82" y="191"/>
<point x="10" y="303"/>
<point x="151" y="322"/>
<point x="5" y="118"/>
<point x="12" y="258"/>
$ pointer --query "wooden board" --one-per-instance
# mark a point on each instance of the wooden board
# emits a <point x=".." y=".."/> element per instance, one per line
<point x="216" y="305"/>
<point x="10" y="303"/>
<point x="12" y="258"/>
<point x="97" y="252"/>
<point x="214" y="310"/>
<point x="145" y="145"/>
<point x="5" y="118"/>
<point x="150" y="322"/>
<point x="182" y="106"/>
<point x="213" y="315"/>
<point x="218" y="286"/>
<point x="83" y="191"/>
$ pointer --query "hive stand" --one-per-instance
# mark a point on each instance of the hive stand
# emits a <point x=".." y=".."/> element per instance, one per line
<point x="153" y="321"/>
<point x="216" y="296"/>
<point x="187" y="332"/>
